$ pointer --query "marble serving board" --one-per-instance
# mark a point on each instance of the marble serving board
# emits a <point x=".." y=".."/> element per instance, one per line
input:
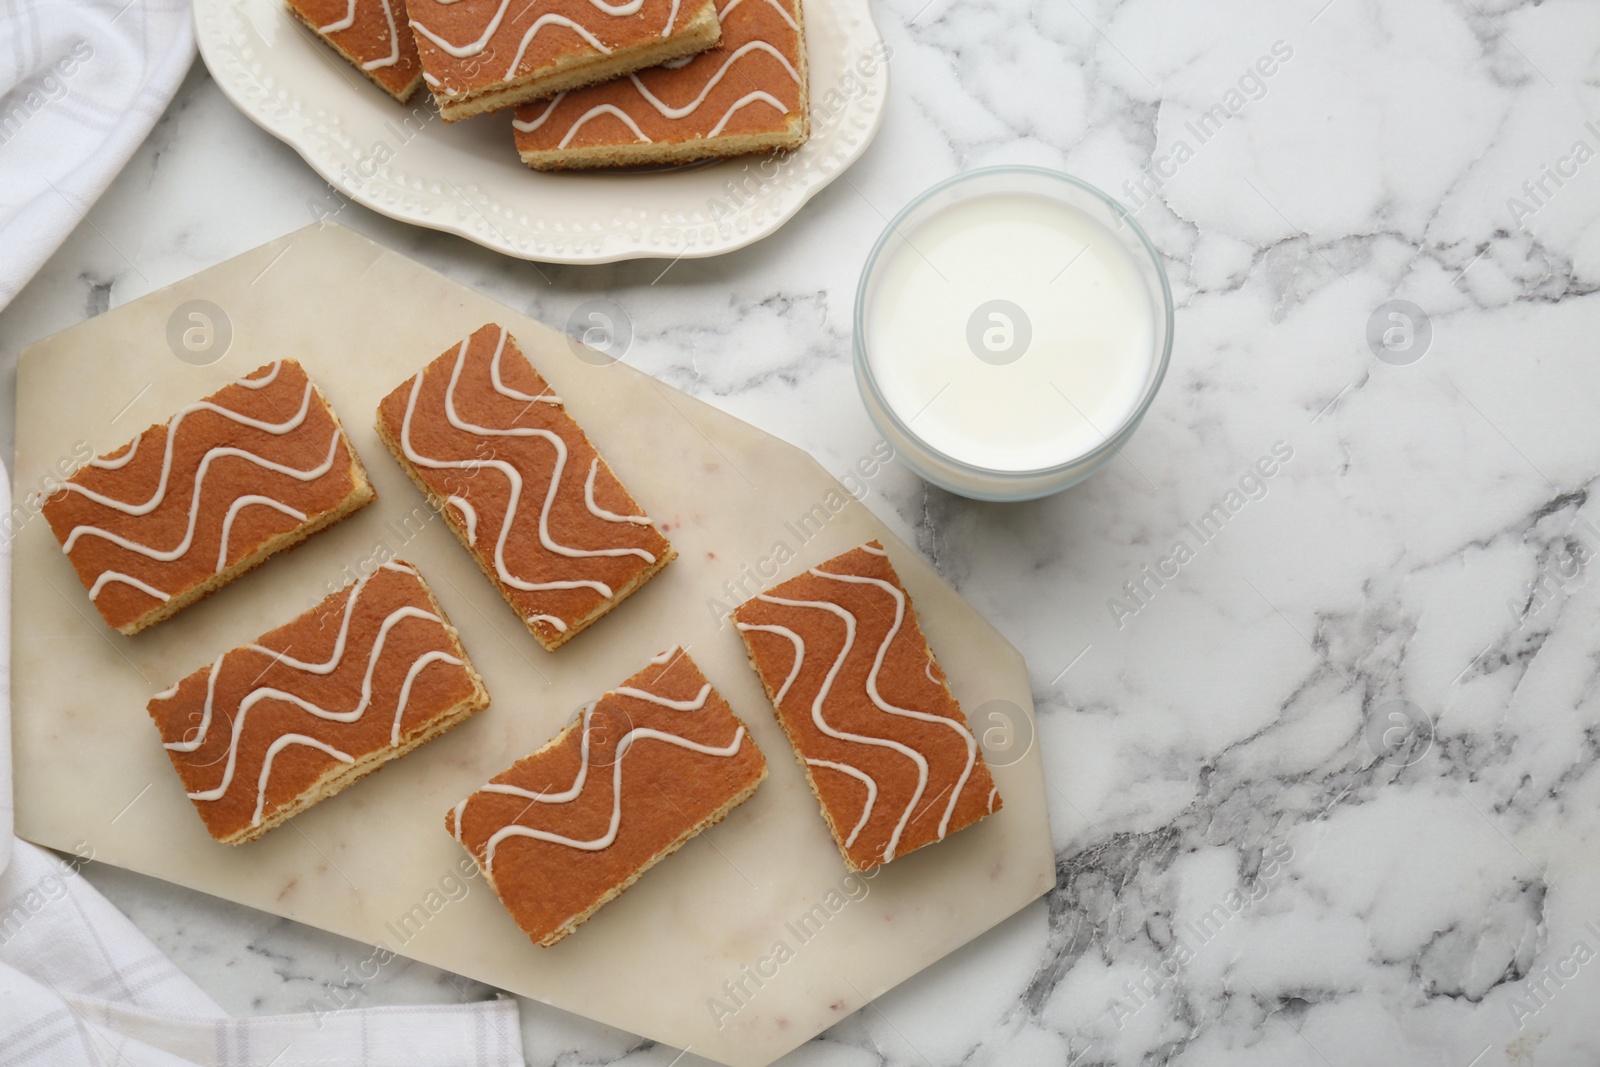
<point x="690" y="955"/>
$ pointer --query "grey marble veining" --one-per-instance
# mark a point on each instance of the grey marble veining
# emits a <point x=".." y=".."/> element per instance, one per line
<point x="1324" y="783"/>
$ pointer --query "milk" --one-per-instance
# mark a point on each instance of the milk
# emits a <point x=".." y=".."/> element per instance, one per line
<point x="1010" y="331"/>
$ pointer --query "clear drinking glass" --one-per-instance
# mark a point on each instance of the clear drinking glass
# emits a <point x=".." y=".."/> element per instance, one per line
<point x="951" y="472"/>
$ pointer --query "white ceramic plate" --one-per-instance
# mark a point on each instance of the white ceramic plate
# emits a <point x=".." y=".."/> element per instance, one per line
<point x="465" y="178"/>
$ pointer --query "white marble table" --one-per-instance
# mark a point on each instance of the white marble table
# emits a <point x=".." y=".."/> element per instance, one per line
<point x="1325" y="787"/>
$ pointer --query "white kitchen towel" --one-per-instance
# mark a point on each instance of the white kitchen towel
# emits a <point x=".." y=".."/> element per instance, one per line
<point x="80" y="986"/>
<point x="81" y="84"/>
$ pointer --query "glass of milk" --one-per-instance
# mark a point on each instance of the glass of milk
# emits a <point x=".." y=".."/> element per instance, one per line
<point x="1012" y="326"/>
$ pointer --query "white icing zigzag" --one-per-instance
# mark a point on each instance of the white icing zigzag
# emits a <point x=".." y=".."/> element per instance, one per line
<point x="779" y="8"/>
<point x="121" y="461"/>
<point x="346" y="22"/>
<point x="572" y="792"/>
<point x="605" y="839"/>
<point x="668" y="111"/>
<point x="265" y="380"/>
<point x="744" y="101"/>
<point x="866" y="780"/>
<point x="503" y="389"/>
<point x="601" y="513"/>
<point x="283" y="742"/>
<point x="258" y="694"/>
<point x="567" y="795"/>
<point x="556" y="20"/>
<point x="394" y="38"/>
<point x="160" y="494"/>
<point x="182" y="547"/>
<point x="909" y="713"/>
<point x="696" y="704"/>
<point x="533" y="124"/>
<point x="594" y="113"/>
<point x="514" y="476"/>
<point x="472" y="48"/>
<point x="799" y="653"/>
<point x="155" y="500"/>
<point x="875" y="696"/>
<point x="817" y="702"/>
<point x="469" y="516"/>
<point x="107" y="577"/>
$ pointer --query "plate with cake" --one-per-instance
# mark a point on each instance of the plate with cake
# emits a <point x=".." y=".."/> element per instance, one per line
<point x="568" y="131"/>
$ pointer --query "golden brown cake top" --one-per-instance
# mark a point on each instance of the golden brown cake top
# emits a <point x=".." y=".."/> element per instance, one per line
<point x="865" y="704"/>
<point x="647" y="764"/>
<point x="519" y="479"/>
<point x="751" y="83"/>
<point x="372" y="34"/>
<point x="363" y="673"/>
<point x="187" y="499"/>
<point x="476" y="45"/>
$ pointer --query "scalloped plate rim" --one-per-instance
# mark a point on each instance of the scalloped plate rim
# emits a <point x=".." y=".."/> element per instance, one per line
<point x="771" y="222"/>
